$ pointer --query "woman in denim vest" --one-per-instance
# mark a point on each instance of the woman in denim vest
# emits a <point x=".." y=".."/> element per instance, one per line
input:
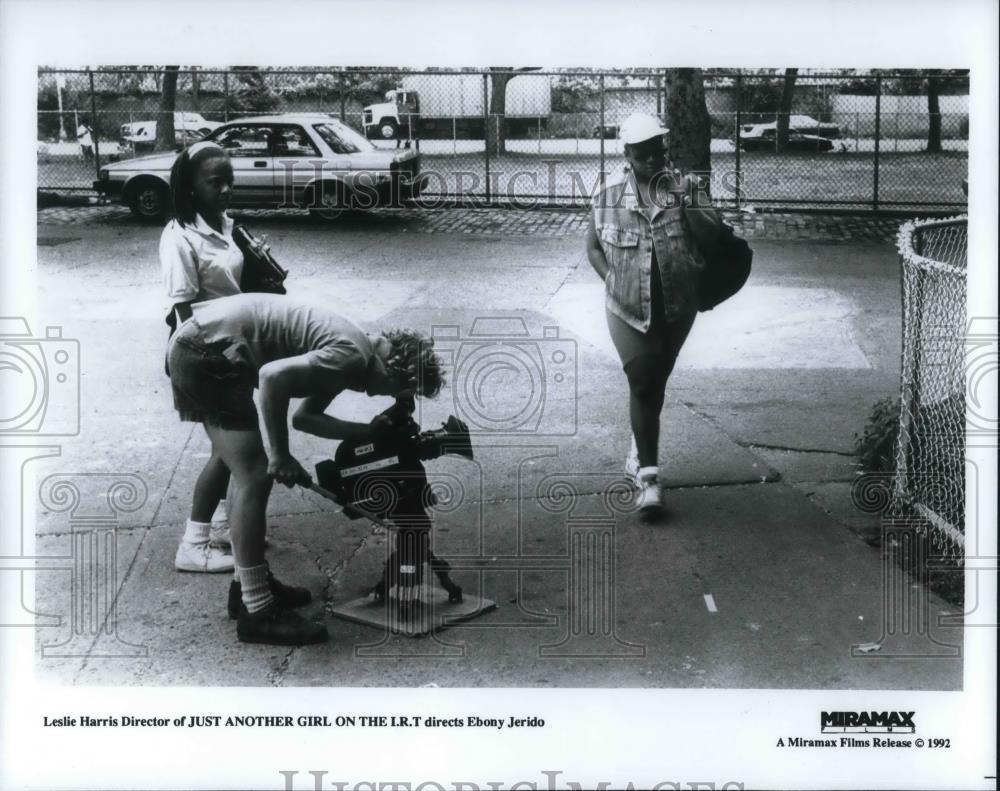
<point x="638" y="243"/>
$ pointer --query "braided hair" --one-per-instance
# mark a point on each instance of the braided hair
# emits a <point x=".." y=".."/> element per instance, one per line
<point x="182" y="178"/>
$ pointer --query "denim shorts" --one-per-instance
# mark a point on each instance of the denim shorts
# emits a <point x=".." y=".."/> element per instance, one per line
<point x="210" y="385"/>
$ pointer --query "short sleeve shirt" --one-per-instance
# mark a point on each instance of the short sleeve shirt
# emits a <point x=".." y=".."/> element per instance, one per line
<point x="255" y="329"/>
<point x="198" y="262"/>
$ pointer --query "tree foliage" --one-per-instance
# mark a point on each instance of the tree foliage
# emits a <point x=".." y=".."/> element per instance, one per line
<point x="251" y="94"/>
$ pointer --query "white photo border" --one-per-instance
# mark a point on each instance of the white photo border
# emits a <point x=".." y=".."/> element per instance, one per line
<point x="619" y="736"/>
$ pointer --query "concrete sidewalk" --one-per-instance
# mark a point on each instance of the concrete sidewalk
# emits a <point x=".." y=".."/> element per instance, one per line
<point x="754" y="580"/>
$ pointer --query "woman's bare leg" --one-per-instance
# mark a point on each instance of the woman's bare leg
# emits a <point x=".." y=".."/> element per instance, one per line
<point x="260" y="620"/>
<point x="243" y="453"/>
<point x="209" y="489"/>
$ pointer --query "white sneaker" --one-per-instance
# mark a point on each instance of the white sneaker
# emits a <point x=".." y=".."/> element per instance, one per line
<point x="649" y="499"/>
<point x="632" y="463"/>
<point x="202" y="557"/>
<point x="219" y="535"/>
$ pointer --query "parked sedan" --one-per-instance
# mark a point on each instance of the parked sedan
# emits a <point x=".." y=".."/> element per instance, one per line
<point x="767" y="141"/>
<point x="608" y="132"/>
<point x="188" y="127"/>
<point x="287" y="161"/>
<point x="802" y="124"/>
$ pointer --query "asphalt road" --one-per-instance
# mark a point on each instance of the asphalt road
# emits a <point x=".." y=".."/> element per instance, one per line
<point x="759" y="578"/>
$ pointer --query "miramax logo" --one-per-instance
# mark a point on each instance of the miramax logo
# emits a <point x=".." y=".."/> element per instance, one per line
<point x="867" y="722"/>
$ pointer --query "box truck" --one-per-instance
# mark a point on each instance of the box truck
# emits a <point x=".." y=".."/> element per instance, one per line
<point x="445" y="106"/>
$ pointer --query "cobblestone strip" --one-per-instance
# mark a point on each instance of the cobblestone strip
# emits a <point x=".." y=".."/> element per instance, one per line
<point x="520" y="222"/>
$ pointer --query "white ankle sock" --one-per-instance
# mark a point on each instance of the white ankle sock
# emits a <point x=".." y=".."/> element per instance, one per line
<point x="196" y="532"/>
<point x="221" y="512"/>
<point x="256" y="592"/>
<point x="648" y="472"/>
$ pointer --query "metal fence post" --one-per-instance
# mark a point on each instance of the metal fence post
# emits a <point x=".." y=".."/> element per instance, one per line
<point x="601" y="135"/>
<point x="343" y="100"/>
<point x="486" y="131"/>
<point x="739" y="122"/>
<point x="878" y="133"/>
<point x="95" y="133"/>
<point x="225" y="95"/>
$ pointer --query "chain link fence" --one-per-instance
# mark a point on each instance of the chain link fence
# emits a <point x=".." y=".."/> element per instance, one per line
<point x="527" y="137"/>
<point x="930" y="451"/>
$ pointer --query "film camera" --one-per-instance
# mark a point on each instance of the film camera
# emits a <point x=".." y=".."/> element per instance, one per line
<point x="261" y="271"/>
<point x="384" y="479"/>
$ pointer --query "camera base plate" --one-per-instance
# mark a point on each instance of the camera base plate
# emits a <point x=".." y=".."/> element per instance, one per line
<point x="434" y="613"/>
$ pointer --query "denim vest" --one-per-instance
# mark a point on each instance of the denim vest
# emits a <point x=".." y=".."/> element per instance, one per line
<point x="629" y="237"/>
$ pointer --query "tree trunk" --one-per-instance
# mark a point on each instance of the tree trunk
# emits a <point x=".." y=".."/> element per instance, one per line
<point x="496" y="127"/>
<point x="934" y="116"/>
<point x="690" y="139"/>
<point x="168" y="102"/>
<point x="785" y="110"/>
<point x="195" y="89"/>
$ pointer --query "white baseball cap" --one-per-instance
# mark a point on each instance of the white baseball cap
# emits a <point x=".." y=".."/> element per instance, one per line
<point x="640" y="126"/>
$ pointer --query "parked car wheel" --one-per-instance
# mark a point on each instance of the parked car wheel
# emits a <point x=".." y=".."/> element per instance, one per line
<point x="148" y="199"/>
<point x="388" y="129"/>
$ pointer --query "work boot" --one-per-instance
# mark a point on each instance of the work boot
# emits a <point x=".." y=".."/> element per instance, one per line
<point x="276" y="625"/>
<point x="286" y="596"/>
<point x="202" y="557"/>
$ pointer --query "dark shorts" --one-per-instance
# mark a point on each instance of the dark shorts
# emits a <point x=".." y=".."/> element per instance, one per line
<point x="663" y="339"/>
<point x="209" y="386"/>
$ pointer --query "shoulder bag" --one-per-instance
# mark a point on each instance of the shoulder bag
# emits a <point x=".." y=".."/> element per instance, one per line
<point x="728" y="258"/>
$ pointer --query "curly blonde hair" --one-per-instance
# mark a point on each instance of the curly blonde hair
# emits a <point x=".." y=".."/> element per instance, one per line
<point x="412" y="357"/>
